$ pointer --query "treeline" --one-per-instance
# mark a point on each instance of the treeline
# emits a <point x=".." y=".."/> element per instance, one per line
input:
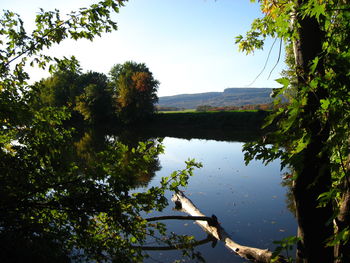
<point x="204" y="108"/>
<point x="267" y="106"/>
<point x="161" y="108"/>
<point x="126" y="95"/>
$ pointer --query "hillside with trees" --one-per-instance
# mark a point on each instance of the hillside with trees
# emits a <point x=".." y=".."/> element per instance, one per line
<point x="229" y="97"/>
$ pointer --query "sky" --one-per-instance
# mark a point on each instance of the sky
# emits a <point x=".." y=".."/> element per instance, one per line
<point x="188" y="45"/>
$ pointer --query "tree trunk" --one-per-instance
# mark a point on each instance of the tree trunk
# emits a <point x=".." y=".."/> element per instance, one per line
<point x="218" y="232"/>
<point x="342" y="251"/>
<point x="313" y="174"/>
<point x="312" y="220"/>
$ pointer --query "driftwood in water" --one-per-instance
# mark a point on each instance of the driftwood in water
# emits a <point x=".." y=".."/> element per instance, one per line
<point x="210" y="220"/>
<point x="250" y="253"/>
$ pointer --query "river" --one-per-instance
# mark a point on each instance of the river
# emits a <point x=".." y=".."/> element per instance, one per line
<point x="249" y="201"/>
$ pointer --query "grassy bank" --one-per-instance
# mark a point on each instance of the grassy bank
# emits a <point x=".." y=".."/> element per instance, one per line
<point x="231" y="126"/>
<point x="237" y="119"/>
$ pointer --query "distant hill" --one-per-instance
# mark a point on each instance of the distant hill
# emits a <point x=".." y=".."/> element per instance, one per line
<point x="229" y="97"/>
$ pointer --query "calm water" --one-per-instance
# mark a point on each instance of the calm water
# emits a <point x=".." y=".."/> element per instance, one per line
<point x="249" y="201"/>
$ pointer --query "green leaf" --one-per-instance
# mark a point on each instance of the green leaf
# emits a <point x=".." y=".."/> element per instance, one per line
<point x="314" y="65"/>
<point x="283" y="81"/>
<point x="325" y="103"/>
<point x="301" y="144"/>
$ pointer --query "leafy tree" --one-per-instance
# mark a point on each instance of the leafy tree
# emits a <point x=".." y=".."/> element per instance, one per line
<point x="135" y="90"/>
<point x="58" y="90"/>
<point x="85" y="93"/>
<point x="95" y="103"/>
<point x="52" y="207"/>
<point x="313" y="131"/>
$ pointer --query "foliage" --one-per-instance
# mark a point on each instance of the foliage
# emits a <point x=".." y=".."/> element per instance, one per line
<point x="77" y="205"/>
<point x="96" y="98"/>
<point x="19" y="48"/>
<point x="62" y="200"/>
<point x="135" y="90"/>
<point x="59" y="90"/>
<point x="317" y="118"/>
<point x="84" y="94"/>
<point x="95" y="103"/>
<point x="286" y="245"/>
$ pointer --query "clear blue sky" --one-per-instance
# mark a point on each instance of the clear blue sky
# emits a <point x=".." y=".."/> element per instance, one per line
<point x="187" y="44"/>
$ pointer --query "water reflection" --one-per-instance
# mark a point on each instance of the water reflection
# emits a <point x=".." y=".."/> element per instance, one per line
<point x="92" y="142"/>
<point x="49" y="214"/>
<point x="248" y="200"/>
<point x="64" y="198"/>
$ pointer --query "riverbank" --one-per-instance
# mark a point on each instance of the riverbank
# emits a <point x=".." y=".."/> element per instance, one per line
<point x="230" y="126"/>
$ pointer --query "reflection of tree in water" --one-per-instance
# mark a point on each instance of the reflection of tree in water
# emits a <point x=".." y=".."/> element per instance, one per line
<point x="135" y="169"/>
<point x="66" y="198"/>
<point x="287" y="182"/>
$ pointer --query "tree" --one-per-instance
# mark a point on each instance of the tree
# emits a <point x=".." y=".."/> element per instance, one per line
<point x="135" y="90"/>
<point x="52" y="207"/>
<point x="85" y="93"/>
<point x="95" y="103"/>
<point x="58" y="90"/>
<point x="313" y="131"/>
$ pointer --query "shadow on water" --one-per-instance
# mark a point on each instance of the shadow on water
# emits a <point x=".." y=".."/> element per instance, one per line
<point x="219" y="126"/>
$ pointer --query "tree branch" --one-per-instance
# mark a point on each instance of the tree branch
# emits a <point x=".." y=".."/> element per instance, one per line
<point x="218" y="232"/>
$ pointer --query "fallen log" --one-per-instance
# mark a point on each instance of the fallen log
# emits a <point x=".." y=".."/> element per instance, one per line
<point x="253" y="254"/>
<point x="158" y="218"/>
